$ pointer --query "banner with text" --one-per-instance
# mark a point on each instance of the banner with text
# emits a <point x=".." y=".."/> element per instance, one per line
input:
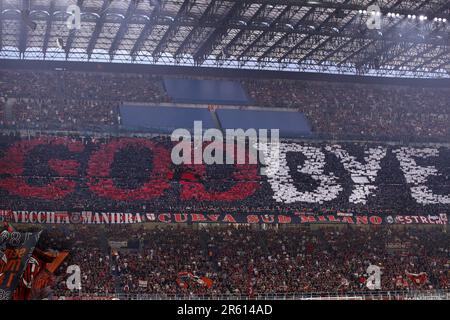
<point x="96" y="218"/>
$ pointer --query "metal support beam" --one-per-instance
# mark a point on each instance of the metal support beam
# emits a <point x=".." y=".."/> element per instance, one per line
<point x="415" y="57"/>
<point x="188" y="40"/>
<point x="279" y="18"/>
<point x="48" y="28"/>
<point x="322" y="24"/>
<point x="407" y="48"/>
<point x="332" y="53"/>
<point x="380" y="52"/>
<point x="444" y="64"/>
<point x="431" y="59"/>
<point x="321" y="45"/>
<point x="98" y="28"/>
<point x="216" y="36"/>
<point x="24" y="28"/>
<point x="283" y="38"/>
<point x="145" y="32"/>
<point x="328" y="56"/>
<point x="172" y="30"/>
<point x="122" y="29"/>
<point x="239" y="35"/>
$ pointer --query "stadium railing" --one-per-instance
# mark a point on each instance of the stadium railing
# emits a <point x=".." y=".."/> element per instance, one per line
<point x="109" y="132"/>
<point x="378" y="295"/>
<point x="119" y="130"/>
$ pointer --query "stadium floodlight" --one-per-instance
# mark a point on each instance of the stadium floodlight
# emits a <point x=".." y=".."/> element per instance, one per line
<point x="169" y="18"/>
<point x="393" y="15"/>
<point x="314" y="2"/>
<point x="290" y="26"/>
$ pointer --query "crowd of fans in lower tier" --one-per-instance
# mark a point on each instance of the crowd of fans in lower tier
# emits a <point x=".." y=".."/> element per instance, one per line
<point x="370" y="111"/>
<point x="246" y="261"/>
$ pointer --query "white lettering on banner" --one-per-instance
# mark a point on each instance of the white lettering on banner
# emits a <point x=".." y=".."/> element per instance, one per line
<point x="417" y="176"/>
<point x="86" y="217"/>
<point x="363" y="175"/>
<point x="89" y="217"/>
<point x="41" y="217"/>
<point x="440" y="219"/>
<point x="282" y="182"/>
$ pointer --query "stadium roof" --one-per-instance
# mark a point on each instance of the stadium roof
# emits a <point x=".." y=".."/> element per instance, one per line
<point x="319" y="36"/>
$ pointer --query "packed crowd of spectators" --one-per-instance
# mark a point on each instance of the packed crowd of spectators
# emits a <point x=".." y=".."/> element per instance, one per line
<point x="115" y="87"/>
<point x="341" y="110"/>
<point x="361" y="110"/>
<point x="44" y="114"/>
<point x="248" y="261"/>
<point x="30" y="84"/>
<point x="87" y="248"/>
<point x="82" y="86"/>
<point x="66" y="100"/>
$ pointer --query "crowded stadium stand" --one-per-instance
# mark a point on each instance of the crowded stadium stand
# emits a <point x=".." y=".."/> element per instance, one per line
<point x="352" y="201"/>
<point x="245" y="262"/>
<point x="334" y="110"/>
<point x="210" y="91"/>
<point x="292" y="124"/>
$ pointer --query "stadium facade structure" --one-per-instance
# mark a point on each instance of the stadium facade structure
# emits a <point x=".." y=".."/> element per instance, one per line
<point x="329" y="36"/>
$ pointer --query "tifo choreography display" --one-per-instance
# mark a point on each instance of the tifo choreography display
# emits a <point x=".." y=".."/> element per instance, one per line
<point x="137" y="175"/>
